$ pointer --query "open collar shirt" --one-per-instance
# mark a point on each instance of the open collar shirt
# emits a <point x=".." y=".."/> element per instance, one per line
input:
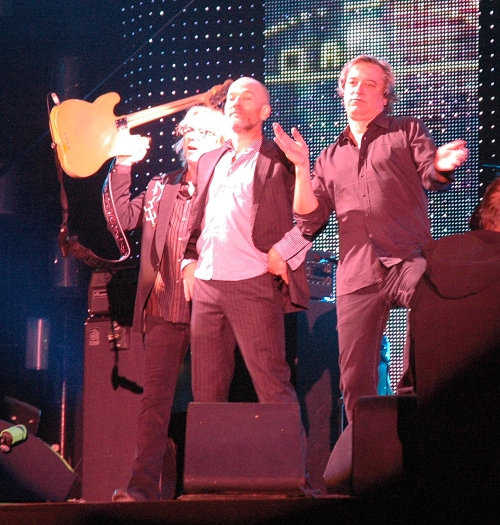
<point x="225" y="246"/>
<point x="378" y="193"/>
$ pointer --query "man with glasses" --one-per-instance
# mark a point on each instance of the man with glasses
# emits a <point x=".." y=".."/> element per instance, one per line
<point x="161" y="312"/>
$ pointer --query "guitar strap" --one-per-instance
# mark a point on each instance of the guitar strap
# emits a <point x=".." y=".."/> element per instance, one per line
<point x="70" y="245"/>
<point x="108" y="205"/>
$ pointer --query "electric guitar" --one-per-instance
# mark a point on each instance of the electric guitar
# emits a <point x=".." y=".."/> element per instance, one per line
<point x="86" y="135"/>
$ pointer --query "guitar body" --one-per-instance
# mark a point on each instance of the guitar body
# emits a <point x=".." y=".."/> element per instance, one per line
<point x="86" y="135"/>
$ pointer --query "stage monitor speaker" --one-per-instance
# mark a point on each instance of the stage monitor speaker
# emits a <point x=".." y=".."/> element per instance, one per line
<point x="384" y="445"/>
<point x="243" y="448"/>
<point x="378" y="451"/>
<point x="32" y="472"/>
<point x="111" y="403"/>
<point x="20" y="413"/>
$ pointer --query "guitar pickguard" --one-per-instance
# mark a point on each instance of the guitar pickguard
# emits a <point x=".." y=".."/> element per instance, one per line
<point x="85" y="134"/>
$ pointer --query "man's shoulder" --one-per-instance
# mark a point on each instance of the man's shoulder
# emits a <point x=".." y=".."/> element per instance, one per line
<point x="467" y="246"/>
<point x="171" y="177"/>
<point x="400" y="121"/>
<point x="329" y="150"/>
<point x="211" y="156"/>
<point x="275" y="153"/>
<point x="270" y="146"/>
<point x="385" y="119"/>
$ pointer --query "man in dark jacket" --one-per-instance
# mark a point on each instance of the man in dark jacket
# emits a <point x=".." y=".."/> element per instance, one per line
<point x="242" y="268"/>
<point x="161" y="313"/>
<point x="455" y="349"/>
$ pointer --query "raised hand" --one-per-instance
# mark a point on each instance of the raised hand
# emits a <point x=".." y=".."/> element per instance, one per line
<point x="294" y="148"/>
<point x="451" y="155"/>
<point x="136" y="145"/>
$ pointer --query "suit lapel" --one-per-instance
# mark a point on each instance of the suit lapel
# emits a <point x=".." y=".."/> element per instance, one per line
<point x="207" y="162"/>
<point x="164" y="211"/>
<point x="163" y="208"/>
<point x="263" y="170"/>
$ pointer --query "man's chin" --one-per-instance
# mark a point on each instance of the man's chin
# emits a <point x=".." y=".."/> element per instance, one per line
<point x="235" y="120"/>
<point x="238" y="126"/>
<point x="193" y="156"/>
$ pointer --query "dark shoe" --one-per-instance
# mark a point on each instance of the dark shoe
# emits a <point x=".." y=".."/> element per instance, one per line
<point x="122" y="496"/>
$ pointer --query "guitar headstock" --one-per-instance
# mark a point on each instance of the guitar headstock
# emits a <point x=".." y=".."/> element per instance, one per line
<point x="219" y="94"/>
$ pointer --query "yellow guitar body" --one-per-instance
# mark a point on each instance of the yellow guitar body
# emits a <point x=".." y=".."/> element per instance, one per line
<point x="87" y="134"/>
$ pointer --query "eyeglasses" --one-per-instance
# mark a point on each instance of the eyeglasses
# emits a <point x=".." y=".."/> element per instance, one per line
<point x="185" y="130"/>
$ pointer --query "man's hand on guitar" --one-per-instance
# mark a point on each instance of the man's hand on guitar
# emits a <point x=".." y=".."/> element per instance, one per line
<point x="138" y="147"/>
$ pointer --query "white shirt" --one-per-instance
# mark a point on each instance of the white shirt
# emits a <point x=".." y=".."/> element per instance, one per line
<point x="225" y="245"/>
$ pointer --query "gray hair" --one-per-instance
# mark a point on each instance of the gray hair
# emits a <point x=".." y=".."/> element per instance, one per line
<point x="388" y="75"/>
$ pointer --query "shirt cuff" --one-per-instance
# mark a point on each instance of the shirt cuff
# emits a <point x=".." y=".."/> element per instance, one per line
<point x="293" y="248"/>
<point x="448" y="175"/>
<point x="185" y="262"/>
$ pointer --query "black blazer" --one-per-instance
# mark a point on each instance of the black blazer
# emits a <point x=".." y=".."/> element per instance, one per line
<point x="271" y="217"/>
<point x="131" y="215"/>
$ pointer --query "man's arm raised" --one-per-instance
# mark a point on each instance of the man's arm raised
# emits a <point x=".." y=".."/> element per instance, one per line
<point x="296" y="150"/>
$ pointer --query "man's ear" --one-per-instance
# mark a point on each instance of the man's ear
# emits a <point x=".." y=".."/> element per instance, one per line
<point x="265" y="112"/>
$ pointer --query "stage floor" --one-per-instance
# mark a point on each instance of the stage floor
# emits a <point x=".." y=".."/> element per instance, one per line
<point x="255" y="510"/>
<point x="214" y="510"/>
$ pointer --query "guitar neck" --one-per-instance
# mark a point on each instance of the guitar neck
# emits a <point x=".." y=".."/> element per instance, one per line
<point x="150" y="114"/>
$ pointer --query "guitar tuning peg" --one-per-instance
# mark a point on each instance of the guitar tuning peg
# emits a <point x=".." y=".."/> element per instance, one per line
<point x="219" y="93"/>
<point x="55" y="99"/>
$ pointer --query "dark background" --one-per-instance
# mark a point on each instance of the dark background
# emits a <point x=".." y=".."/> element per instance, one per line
<point x="35" y="36"/>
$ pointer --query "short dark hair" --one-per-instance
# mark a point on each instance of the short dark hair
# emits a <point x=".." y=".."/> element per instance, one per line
<point x="486" y="215"/>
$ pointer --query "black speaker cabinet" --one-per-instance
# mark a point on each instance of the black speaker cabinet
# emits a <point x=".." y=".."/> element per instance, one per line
<point x="110" y="409"/>
<point x="33" y="472"/>
<point x="384" y="445"/>
<point x="20" y="413"/>
<point x="378" y="451"/>
<point x="243" y="448"/>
